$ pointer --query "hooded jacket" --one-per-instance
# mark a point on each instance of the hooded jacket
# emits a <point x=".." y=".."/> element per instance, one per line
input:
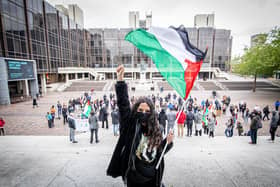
<point x="124" y="153"/>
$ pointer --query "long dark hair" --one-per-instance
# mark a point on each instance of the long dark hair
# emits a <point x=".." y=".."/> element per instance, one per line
<point x="154" y="133"/>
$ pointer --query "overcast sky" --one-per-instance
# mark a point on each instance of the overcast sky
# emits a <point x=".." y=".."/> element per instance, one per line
<point x="243" y="17"/>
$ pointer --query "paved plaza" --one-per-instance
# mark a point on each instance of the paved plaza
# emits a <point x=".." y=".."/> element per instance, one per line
<point x="39" y="156"/>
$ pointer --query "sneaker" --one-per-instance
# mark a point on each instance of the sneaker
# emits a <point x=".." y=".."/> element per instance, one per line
<point x="250" y="143"/>
<point x="74" y="142"/>
<point x="97" y="141"/>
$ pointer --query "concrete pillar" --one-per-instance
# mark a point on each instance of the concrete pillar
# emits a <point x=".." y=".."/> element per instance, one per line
<point x="66" y="78"/>
<point x="25" y="87"/>
<point x="4" y="89"/>
<point x="76" y="76"/>
<point x="83" y="75"/>
<point x="43" y="83"/>
<point x="151" y="75"/>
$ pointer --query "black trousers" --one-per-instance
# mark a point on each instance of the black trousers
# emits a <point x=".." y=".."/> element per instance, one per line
<point x="211" y="133"/>
<point x="91" y="135"/>
<point x="266" y="115"/>
<point x="198" y="132"/>
<point x="272" y="132"/>
<point x="50" y="123"/>
<point x="2" y="131"/>
<point x="105" y="120"/>
<point x="65" y="119"/>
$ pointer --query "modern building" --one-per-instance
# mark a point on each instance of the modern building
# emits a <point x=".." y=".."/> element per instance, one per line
<point x="136" y="22"/>
<point x="35" y="30"/>
<point x="76" y="14"/>
<point x="133" y="19"/>
<point x="204" y="20"/>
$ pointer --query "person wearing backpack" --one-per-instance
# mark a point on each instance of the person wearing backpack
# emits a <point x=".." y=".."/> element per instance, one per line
<point x="72" y="127"/>
<point x="93" y="126"/>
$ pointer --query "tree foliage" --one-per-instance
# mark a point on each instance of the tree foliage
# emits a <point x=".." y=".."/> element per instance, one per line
<point x="263" y="59"/>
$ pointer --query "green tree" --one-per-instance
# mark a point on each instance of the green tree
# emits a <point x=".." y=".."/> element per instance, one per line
<point x="263" y="59"/>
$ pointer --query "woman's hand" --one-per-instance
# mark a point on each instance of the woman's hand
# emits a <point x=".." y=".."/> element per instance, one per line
<point x="120" y="72"/>
<point x="170" y="137"/>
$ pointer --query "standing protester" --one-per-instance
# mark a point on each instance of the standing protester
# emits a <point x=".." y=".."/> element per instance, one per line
<point x="140" y="143"/>
<point x="198" y="122"/>
<point x="239" y="128"/>
<point x="273" y="125"/>
<point x="115" y="121"/>
<point x="2" y="124"/>
<point x="254" y="127"/>
<point x="72" y="127"/>
<point x="35" y="102"/>
<point x="104" y="115"/>
<point x="181" y="121"/>
<point x="266" y="112"/>
<point x="93" y="125"/>
<point x="64" y="113"/>
<point x="162" y="117"/>
<point x="211" y="125"/>
<point x="277" y="104"/>
<point x="189" y="119"/>
<point x="59" y="109"/>
<point x="49" y="118"/>
<point x="53" y="114"/>
<point x="171" y="118"/>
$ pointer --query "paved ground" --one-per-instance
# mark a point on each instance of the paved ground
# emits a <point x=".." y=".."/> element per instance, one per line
<point x="198" y="161"/>
<point x="22" y="119"/>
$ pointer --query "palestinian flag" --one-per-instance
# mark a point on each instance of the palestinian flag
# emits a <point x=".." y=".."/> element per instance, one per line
<point x="175" y="57"/>
<point x="87" y="109"/>
<point x="204" y="119"/>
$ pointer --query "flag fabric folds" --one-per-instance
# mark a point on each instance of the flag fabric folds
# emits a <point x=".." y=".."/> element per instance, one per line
<point x="87" y="109"/>
<point x="175" y="57"/>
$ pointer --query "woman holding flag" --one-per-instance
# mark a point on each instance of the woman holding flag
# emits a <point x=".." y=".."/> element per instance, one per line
<point x="140" y="143"/>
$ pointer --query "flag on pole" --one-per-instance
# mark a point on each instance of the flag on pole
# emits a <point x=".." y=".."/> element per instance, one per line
<point x="175" y="57"/>
<point x="87" y="109"/>
<point x="204" y="119"/>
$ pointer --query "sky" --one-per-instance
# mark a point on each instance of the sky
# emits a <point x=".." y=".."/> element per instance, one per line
<point x="243" y="17"/>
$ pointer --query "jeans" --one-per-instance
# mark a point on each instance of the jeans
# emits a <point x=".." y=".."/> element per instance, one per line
<point x="59" y="113"/>
<point x="72" y="135"/>
<point x="189" y="126"/>
<point x="116" y="129"/>
<point x="91" y="135"/>
<point x="254" y="133"/>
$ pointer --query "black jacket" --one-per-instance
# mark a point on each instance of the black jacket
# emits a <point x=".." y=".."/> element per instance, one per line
<point x="129" y="139"/>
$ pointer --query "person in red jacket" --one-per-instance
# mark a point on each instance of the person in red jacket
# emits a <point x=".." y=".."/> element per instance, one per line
<point x="180" y="123"/>
<point x="2" y="123"/>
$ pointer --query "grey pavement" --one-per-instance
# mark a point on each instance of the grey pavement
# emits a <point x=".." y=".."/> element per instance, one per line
<point x="196" y="161"/>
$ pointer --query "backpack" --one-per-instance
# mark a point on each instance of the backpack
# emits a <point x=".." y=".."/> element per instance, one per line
<point x="259" y="123"/>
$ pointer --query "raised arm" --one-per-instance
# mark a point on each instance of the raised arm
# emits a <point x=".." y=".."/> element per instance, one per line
<point x="122" y="99"/>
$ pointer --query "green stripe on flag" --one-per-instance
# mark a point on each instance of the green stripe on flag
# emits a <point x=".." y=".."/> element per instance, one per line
<point x="169" y="67"/>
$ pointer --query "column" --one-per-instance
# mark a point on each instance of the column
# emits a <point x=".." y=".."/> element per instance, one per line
<point x="25" y="88"/>
<point x="43" y="83"/>
<point x="66" y="78"/>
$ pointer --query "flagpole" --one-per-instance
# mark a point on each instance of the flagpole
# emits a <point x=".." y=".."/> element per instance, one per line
<point x="165" y="146"/>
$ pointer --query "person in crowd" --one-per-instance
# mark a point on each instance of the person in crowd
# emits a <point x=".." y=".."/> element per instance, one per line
<point x="64" y="113"/>
<point x="53" y="114"/>
<point x="162" y="118"/>
<point x="115" y="120"/>
<point x="211" y="124"/>
<point x="59" y="109"/>
<point x="239" y="128"/>
<point x="229" y="127"/>
<point x="49" y="118"/>
<point x="171" y="118"/>
<point x="277" y="104"/>
<point x="254" y="128"/>
<point x="181" y="121"/>
<point x="273" y="124"/>
<point x="93" y="126"/>
<point x="189" y="120"/>
<point x="266" y="112"/>
<point x="104" y="115"/>
<point x="140" y="143"/>
<point x="246" y="116"/>
<point x="198" y="122"/>
<point x="2" y="124"/>
<point x="35" y="102"/>
<point x="72" y="127"/>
